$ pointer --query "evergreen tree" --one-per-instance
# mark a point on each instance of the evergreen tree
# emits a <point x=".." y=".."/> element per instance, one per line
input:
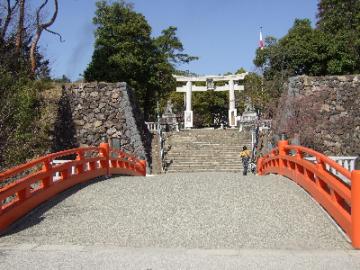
<point x="125" y="51"/>
<point x="340" y="21"/>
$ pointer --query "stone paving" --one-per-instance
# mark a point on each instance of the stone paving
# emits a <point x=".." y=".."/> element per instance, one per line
<point x="193" y="215"/>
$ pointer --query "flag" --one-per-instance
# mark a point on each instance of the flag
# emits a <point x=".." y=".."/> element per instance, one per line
<point x="261" y="41"/>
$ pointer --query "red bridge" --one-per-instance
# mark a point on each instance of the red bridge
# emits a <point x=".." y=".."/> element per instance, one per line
<point x="212" y="220"/>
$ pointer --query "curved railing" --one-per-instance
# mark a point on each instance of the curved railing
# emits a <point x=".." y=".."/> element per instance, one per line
<point x="341" y="199"/>
<point x="26" y="186"/>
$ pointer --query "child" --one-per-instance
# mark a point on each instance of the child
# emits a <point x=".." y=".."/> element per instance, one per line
<point x="245" y="157"/>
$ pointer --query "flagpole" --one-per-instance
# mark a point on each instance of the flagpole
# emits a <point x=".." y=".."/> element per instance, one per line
<point x="261" y="48"/>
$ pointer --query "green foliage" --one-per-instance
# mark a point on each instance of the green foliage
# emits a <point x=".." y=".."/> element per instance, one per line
<point x="209" y="107"/>
<point x="63" y="79"/>
<point x="332" y="48"/>
<point x="303" y="50"/>
<point x="340" y="21"/>
<point x="336" y="16"/>
<point x="171" y="47"/>
<point x="21" y="137"/>
<point x="125" y="51"/>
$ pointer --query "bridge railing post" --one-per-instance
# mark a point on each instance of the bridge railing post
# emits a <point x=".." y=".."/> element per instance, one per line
<point x="105" y="147"/>
<point x="143" y="166"/>
<point x="48" y="181"/>
<point x="355" y="208"/>
<point x="259" y="166"/>
<point x="282" y="152"/>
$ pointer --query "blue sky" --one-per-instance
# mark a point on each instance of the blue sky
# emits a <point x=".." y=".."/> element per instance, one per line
<point x="223" y="33"/>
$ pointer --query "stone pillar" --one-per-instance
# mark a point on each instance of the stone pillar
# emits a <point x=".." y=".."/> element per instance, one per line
<point x="188" y="114"/>
<point x="232" y="109"/>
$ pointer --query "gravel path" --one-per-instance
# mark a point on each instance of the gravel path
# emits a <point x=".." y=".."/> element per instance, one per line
<point x="191" y="211"/>
<point x="106" y="257"/>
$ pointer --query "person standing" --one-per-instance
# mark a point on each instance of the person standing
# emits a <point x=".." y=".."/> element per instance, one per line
<point x="245" y="155"/>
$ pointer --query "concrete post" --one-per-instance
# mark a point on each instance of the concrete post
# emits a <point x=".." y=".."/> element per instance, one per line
<point x="188" y="114"/>
<point x="188" y="95"/>
<point x="231" y="95"/>
<point x="232" y="109"/>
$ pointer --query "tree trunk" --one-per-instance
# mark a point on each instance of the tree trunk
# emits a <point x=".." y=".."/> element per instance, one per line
<point x="20" y="29"/>
<point x="40" y="27"/>
<point x="33" y="52"/>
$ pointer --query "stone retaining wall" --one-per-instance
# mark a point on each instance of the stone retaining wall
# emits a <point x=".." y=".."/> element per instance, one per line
<point x="323" y="111"/>
<point x="93" y="112"/>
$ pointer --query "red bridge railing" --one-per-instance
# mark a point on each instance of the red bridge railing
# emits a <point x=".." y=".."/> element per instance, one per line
<point x="341" y="199"/>
<point x="40" y="179"/>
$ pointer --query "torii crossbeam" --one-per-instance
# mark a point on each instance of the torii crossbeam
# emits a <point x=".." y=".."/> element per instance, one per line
<point x="232" y="84"/>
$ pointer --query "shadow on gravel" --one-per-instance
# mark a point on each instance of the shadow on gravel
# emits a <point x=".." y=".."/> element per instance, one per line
<point x="36" y="215"/>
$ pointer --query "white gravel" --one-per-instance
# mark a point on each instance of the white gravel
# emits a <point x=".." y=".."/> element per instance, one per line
<point x="186" y="211"/>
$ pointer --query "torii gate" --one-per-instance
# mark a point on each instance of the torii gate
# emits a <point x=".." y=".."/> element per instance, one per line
<point x="232" y="85"/>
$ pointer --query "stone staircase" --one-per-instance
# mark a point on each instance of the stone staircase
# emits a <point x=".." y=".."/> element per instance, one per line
<point x="205" y="150"/>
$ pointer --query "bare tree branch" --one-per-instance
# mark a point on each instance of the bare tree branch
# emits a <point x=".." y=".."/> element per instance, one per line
<point x="40" y="27"/>
<point x="56" y="34"/>
<point x="9" y="15"/>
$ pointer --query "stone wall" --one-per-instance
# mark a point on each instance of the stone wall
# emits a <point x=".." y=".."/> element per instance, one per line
<point x="92" y="112"/>
<point x="323" y="111"/>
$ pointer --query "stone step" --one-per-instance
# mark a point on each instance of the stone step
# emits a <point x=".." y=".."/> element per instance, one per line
<point x="189" y="170"/>
<point x="222" y="143"/>
<point x="215" y="145"/>
<point x="206" y="145"/>
<point x="205" y="150"/>
<point x="205" y="164"/>
<point x="214" y="154"/>
<point x="209" y="136"/>
<point x="201" y="163"/>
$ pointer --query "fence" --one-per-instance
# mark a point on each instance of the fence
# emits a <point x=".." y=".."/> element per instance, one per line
<point x="152" y="126"/>
<point x="26" y="186"/>
<point x="346" y="162"/>
<point x="340" y="200"/>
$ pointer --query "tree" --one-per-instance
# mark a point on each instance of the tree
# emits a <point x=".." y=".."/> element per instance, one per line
<point x="20" y="99"/>
<point x="332" y="48"/>
<point x="125" y="51"/>
<point x="336" y="16"/>
<point x="20" y="29"/>
<point x="171" y="47"/>
<point x="40" y="27"/>
<point x="340" y="21"/>
<point x="303" y="50"/>
<point x="10" y="9"/>
<point x="19" y="40"/>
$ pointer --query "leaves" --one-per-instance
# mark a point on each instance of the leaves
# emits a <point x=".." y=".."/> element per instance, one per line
<point x="125" y="51"/>
<point x="332" y="48"/>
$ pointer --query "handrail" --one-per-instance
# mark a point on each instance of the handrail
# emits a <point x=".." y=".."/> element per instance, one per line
<point x="36" y="182"/>
<point x="125" y="163"/>
<point x="340" y="200"/>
